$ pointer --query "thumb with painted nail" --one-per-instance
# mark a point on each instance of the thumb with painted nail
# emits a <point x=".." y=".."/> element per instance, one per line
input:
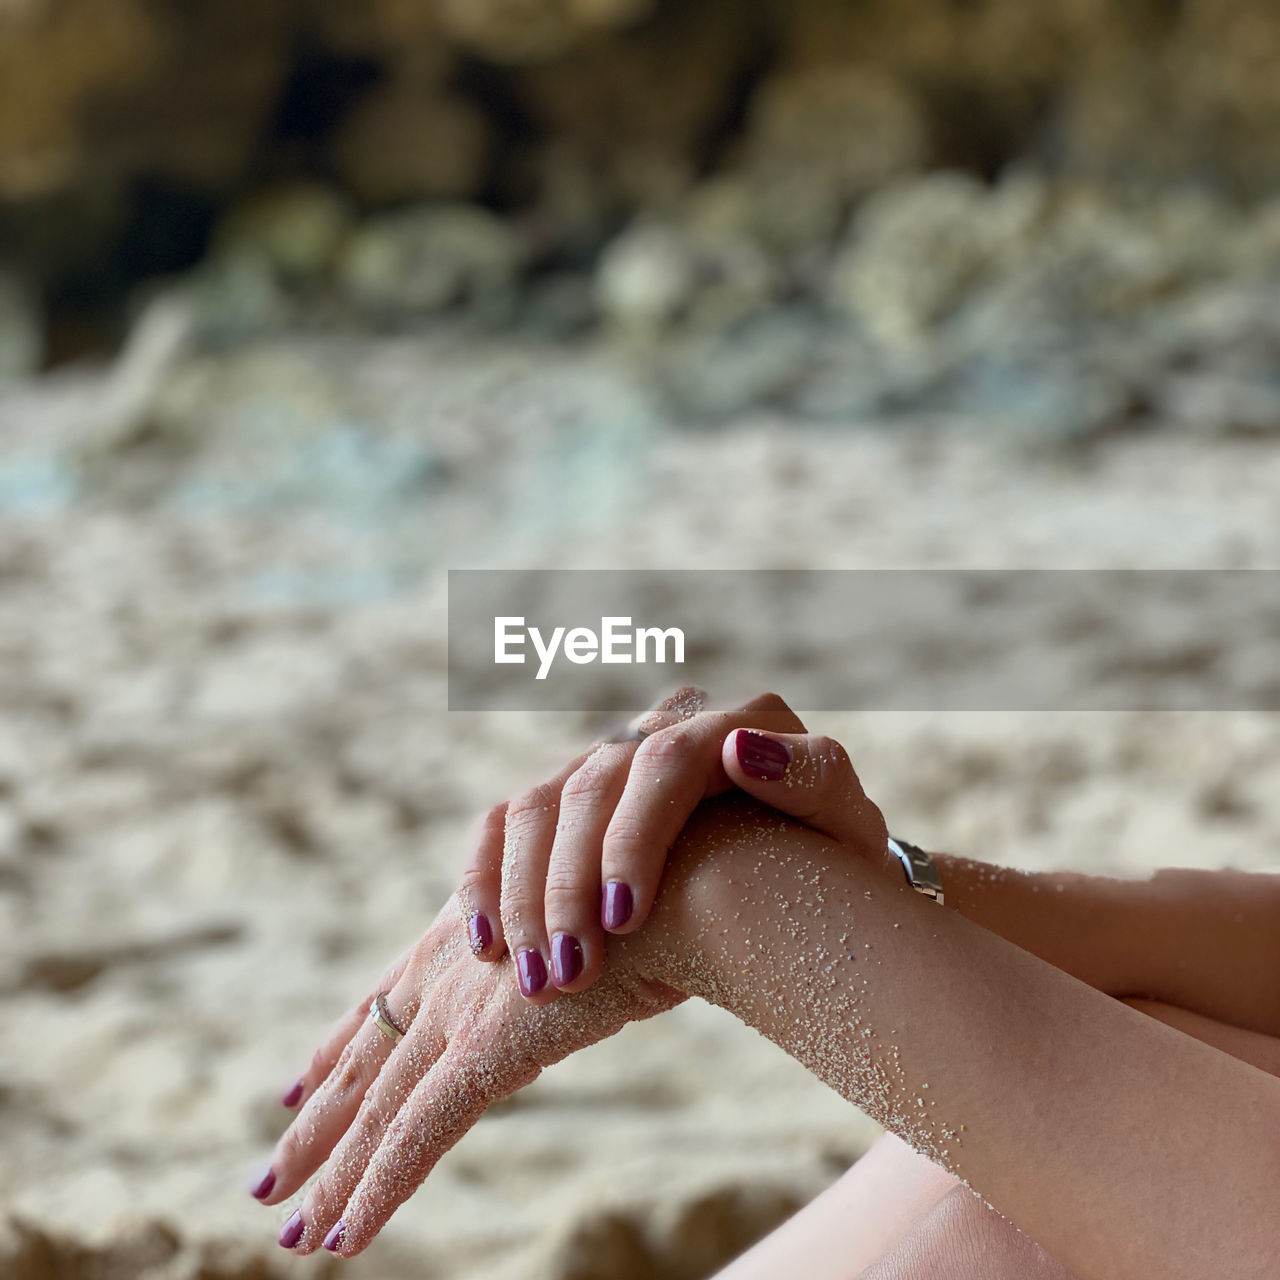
<point x="809" y="777"/>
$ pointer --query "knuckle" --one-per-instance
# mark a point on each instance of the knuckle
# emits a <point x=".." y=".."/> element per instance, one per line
<point x="768" y="701"/>
<point x="565" y="881"/>
<point x="402" y="1135"/>
<point x="349" y="1074"/>
<point x="290" y="1150"/>
<point x="347" y="1079"/>
<point x="490" y="824"/>
<point x="475" y="877"/>
<point x="588" y="784"/>
<point x="421" y="956"/>
<point x="970" y="1227"/>
<point x="532" y="806"/>
<point x="567" y="899"/>
<point x="832" y="769"/>
<point x="669" y="749"/>
<point x="321" y="1194"/>
<point x="486" y="836"/>
<point x="843" y="772"/>
<point x="372" y="1118"/>
<point x="518" y="921"/>
<point x="831" y="755"/>
<point x="519" y="912"/>
<point x="345" y="1059"/>
<point x="629" y="853"/>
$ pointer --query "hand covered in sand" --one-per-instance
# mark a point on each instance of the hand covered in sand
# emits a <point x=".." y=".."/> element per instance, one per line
<point x="554" y="870"/>
<point x="978" y="1053"/>
<point x="581" y="856"/>
<point x="379" y="1114"/>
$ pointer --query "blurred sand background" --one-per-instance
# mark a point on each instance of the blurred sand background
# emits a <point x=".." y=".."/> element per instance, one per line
<point x="672" y="286"/>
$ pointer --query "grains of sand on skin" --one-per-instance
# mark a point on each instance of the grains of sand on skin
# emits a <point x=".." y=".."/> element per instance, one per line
<point x="878" y="1084"/>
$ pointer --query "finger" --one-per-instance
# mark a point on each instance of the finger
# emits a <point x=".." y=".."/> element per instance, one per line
<point x="500" y="1055"/>
<point x="673" y="770"/>
<point x="329" y="1111"/>
<point x="480" y="896"/>
<point x="530" y="832"/>
<point x="587" y="801"/>
<point x="327" y="1196"/>
<point x="337" y="1039"/>
<point x="447" y="1102"/>
<point x="811" y="778"/>
<point x="572" y="905"/>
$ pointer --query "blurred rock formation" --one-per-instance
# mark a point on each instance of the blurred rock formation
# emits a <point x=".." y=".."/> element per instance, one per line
<point x="729" y="145"/>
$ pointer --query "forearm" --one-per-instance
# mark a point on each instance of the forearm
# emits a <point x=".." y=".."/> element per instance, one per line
<point x="1205" y="941"/>
<point x="1051" y="1100"/>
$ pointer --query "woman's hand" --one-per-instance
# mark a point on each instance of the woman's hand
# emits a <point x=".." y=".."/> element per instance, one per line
<point x="1048" y="1097"/>
<point x="380" y="1114"/>
<point x="581" y="855"/>
<point x="978" y="1053"/>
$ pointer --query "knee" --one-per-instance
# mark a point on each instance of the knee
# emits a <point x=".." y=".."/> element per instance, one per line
<point x="962" y="1238"/>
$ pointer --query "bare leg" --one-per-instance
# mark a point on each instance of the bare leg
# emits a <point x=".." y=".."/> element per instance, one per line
<point x="896" y="1216"/>
<point x="962" y="1238"/>
<point x="855" y="1221"/>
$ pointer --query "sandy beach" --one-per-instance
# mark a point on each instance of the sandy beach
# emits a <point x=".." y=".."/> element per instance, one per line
<point x="230" y="791"/>
<point x="305" y="303"/>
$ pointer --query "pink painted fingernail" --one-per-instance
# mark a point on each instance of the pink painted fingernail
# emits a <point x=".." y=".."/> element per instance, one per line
<point x="264" y="1185"/>
<point x="333" y="1241"/>
<point x="292" y="1231"/>
<point x="618" y="904"/>
<point x="480" y="932"/>
<point x="765" y="759"/>
<point x="294" y="1096"/>
<point x="566" y="959"/>
<point x="531" y="972"/>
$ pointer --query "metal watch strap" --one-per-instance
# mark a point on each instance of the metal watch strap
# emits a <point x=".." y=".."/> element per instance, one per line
<point x="921" y="870"/>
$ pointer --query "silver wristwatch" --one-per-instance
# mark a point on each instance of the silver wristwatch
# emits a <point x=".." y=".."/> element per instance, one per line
<point x="921" y="870"/>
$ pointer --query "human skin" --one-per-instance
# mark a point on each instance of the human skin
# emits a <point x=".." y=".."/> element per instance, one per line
<point x="1049" y="1098"/>
<point x="884" y="1195"/>
<point x="962" y="1239"/>
<point x="554" y="869"/>
<point x="878" y="1219"/>
<point x="1203" y="941"/>
<point x="1064" y="1094"/>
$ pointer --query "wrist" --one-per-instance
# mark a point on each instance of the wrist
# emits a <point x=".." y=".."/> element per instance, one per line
<point x="705" y="907"/>
<point x="1081" y="924"/>
<point x="741" y="877"/>
<point x="674" y="949"/>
